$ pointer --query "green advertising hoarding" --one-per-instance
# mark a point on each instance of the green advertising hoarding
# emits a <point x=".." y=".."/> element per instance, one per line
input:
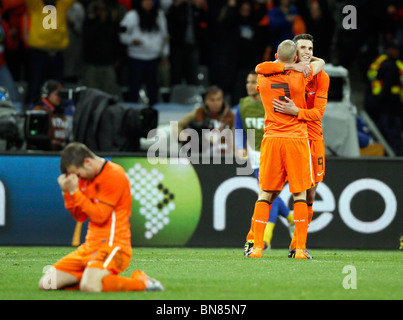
<point x="167" y="201"/>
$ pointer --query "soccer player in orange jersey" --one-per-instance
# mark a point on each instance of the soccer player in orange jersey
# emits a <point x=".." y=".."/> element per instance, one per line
<point x="98" y="190"/>
<point x="316" y="96"/>
<point x="285" y="153"/>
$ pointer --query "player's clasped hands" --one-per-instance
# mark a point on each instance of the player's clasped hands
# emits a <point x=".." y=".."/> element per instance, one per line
<point x="68" y="183"/>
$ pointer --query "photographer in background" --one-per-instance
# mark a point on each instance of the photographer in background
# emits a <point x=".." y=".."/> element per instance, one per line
<point x="215" y="116"/>
<point x="57" y="124"/>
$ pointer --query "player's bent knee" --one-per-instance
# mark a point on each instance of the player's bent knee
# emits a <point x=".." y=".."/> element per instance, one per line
<point x="89" y="284"/>
<point x="92" y="280"/>
<point x="90" y="287"/>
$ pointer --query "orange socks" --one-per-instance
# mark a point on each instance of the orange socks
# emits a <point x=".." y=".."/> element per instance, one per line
<point x="251" y="234"/>
<point x="301" y="223"/>
<point x="293" y="244"/>
<point x="260" y="218"/>
<point x="113" y="283"/>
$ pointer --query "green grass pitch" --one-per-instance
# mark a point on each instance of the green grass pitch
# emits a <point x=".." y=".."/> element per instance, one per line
<point x="222" y="274"/>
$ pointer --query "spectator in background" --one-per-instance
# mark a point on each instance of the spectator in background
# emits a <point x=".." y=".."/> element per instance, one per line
<point x="383" y="102"/>
<point x="320" y="24"/>
<point x="116" y="8"/>
<point x="394" y="11"/>
<point x="73" y="54"/>
<point x="46" y="45"/>
<point x="116" y="11"/>
<point x="6" y="78"/>
<point x="359" y="47"/>
<point x="284" y="22"/>
<point x="185" y="18"/>
<point x="145" y="33"/>
<point x="16" y="16"/>
<point x="215" y="114"/>
<point x="253" y="41"/>
<point x="126" y="3"/>
<point x="164" y="4"/>
<point x="51" y="102"/>
<point x="101" y="43"/>
<point x="222" y="43"/>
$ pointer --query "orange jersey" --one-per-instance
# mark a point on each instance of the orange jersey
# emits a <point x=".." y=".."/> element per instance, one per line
<point x="106" y="201"/>
<point x="316" y="100"/>
<point x="275" y="86"/>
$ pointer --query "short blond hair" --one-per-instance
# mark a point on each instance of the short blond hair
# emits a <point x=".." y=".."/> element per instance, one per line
<point x="286" y="51"/>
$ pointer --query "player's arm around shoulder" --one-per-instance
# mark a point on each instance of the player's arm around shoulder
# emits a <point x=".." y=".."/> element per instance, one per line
<point x="317" y="65"/>
<point x="269" y="67"/>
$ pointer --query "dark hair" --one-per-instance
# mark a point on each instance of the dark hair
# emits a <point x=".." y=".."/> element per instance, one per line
<point x="73" y="155"/>
<point x="148" y="19"/>
<point x="48" y="87"/>
<point x="213" y="90"/>
<point x="303" y="36"/>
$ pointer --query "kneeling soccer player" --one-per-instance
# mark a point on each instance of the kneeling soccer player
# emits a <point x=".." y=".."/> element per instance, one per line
<point x="96" y="189"/>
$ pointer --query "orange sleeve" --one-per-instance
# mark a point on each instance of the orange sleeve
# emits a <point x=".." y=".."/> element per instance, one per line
<point x="75" y="211"/>
<point x="321" y="95"/>
<point x="310" y="77"/>
<point x="269" y="67"/>
<point x="98" y="211"/>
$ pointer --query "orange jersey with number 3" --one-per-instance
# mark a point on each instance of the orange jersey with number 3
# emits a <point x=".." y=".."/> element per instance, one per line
<point x="276" y="86"/>
<point x="106" y="201"/>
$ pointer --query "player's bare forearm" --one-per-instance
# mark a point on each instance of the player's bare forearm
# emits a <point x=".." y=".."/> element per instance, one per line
<point x="317" y="65"/>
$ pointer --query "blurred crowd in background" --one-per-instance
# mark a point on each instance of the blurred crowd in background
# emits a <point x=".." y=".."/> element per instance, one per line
<point x="123" y="46"/>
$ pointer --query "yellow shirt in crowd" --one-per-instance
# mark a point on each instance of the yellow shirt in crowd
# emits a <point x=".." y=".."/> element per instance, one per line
<point x="43" y="38"/>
